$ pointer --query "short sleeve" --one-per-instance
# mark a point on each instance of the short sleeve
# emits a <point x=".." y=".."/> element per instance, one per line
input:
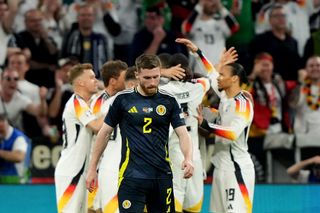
<point x="83" y="112"/>
<point x="114" y="114"/>
<point x="20" y="144"/>
<point x="177" y="118"/>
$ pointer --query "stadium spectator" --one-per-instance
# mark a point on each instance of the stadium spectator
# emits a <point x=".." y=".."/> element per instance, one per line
<point x="58" y="97"/>
<point x="42" y="47"/>
<point x="15" y="154"/>
<point x="13" y="103"/>
<point x="305" y="99"/>
<point x="279" y="44"/>
<point x="8" y="11"/>
<point x="270" y="124"/>
<point x="84" y="43"/>
<point x="153" y="38"/>
<point x="208" y="26"/>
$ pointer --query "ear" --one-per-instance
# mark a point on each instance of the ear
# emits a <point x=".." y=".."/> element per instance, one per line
<point x="112" y="81"/>
<point x="235" y="78"/>
<point x="136" y="74"/>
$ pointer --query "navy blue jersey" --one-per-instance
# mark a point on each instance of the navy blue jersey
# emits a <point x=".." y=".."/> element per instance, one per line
<point x="144" y="124"/>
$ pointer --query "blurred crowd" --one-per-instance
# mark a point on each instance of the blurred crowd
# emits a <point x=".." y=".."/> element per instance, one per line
<point x="278" y="42"/>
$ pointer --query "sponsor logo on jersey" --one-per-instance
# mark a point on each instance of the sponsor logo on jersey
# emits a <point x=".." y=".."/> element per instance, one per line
<point x="161" y="110"/>
<point x="133" y="110"/>
<point x="126" y="204"/>
<point x="147" y="109"/>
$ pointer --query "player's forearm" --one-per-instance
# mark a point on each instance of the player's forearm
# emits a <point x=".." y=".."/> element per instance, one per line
<point x="204" y="62"/>
<point x="99" y="146"/>
<point x="186" y="146"/>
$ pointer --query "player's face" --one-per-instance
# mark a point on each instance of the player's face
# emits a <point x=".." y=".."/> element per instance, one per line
<point x="149" y="80"/>
<point x="225" y="79"/>
<point x="89" y="81"/>
<point x="313" y="68"/>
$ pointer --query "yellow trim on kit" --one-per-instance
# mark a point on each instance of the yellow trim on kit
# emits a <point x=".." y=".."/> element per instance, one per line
<point x="124" y="164"/>
<point x="195" y="208"/>
<point x="177" y="205"/>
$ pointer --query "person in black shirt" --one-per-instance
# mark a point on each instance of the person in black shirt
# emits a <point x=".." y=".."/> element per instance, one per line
<point x="144" y="115"/>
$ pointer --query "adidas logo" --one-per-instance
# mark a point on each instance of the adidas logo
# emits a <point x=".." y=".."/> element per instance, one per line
<point x="133" y="110"/>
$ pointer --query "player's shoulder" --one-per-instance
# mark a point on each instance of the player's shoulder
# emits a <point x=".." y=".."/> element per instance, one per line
<point x="243" y="103"/>
<point x="124" y="93"/>
<point x="165" y="93"/>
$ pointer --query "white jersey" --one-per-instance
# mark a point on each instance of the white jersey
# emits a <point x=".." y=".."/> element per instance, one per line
<point x="232" y="131"/>
<point x="100" y="107"/>
<point x="232" y="128"/>
<point x="76" y="137"/>
<point x="189" y="96"/>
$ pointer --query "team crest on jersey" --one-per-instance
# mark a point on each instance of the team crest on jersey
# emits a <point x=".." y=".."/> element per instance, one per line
<point x="161" y="110"/>
<point x="147" y="109"/>
<point x="126" y="204"/>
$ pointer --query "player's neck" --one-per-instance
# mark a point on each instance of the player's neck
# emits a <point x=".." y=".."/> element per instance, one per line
<point x="84" y="95"/>
<point x="110" y="91"/>
<point x="233" y="91"/>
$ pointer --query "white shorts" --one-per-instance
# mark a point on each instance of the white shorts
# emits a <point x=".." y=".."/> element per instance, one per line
<point x="108" y="185"/>
<point x="188" y="193"/>
<point x="232" y="191"/>
<point x="71" y="194"/>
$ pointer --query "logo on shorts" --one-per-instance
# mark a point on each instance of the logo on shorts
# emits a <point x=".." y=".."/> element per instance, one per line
<point x="161" y="110"/>
<point x="126" y="204"/>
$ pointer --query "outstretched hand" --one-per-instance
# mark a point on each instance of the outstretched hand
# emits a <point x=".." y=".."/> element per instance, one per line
<point x="227" y="57"/>
<point x="176" y="72"/>
<point x="189" y="44"/>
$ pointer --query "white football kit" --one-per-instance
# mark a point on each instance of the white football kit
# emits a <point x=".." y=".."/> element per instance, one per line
<point x="233" y="177"/>
<point x="188" y="192"/>
<point x="71" y="168"/>
<point x="108" y="174"/>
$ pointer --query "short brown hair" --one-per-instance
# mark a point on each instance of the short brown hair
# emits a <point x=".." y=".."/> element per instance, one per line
<point x="112" y="69"/>
<point x="77" y="70"/>
<point x="131" y="73"/>
<point x="147" y="62"/>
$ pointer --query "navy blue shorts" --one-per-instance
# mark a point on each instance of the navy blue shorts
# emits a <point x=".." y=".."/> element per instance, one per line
<point x="155" y="194"/>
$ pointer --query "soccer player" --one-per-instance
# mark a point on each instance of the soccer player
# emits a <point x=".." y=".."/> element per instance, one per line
<point x="144" y="114"/>
<point x="113" y="75"/>
<point x="233" y="176"/>
<point x="188" y="193"/>
<point x="79" y="125"/>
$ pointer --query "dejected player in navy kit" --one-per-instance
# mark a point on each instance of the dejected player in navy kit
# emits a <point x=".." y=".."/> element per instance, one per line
<point x="144" y="115"/>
